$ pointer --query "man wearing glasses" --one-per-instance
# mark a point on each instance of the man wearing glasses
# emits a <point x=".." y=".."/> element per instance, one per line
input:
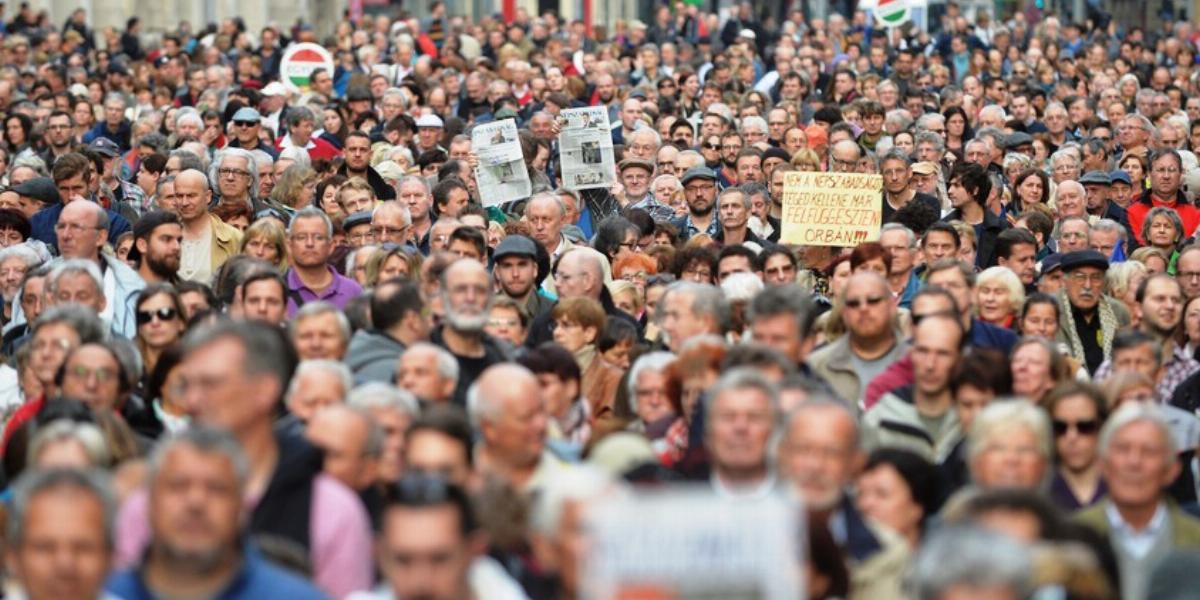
<point x="310" y="277"/>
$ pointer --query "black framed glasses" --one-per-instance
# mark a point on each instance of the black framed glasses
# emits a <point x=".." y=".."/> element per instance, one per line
<point x="164" y="314"/>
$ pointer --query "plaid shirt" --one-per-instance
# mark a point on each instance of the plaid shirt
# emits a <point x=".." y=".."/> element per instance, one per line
<point x="1180" y="366"/>
<point x="660" y="212"/>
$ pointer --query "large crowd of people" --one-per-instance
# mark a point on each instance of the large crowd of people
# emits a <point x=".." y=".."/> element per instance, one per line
<point x="269" y="341"/>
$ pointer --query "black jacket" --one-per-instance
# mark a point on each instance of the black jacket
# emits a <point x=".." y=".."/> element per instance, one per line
<point x="383" y="191"/>
<point x="985" y="244"/>
<point x="540" y="330"/>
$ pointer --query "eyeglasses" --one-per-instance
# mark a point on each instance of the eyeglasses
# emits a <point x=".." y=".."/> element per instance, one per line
<point x="73" y="228"/>
<point x="163" y="314"/>
<point x="1187" y="274"/>
<point x="1093" y="278"/>
<point x="384" y="232"/>
<point x="245" y="123"/>
<point x="1087" y="427"/>
<point x="233" y="173"/>
<point x="857" y="303"/>
<point x="316" y="238"/>
<point x="102" y="374"/>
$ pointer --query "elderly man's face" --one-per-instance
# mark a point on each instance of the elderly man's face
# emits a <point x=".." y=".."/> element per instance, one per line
<point x="1085" y="285"/>
<point x="818" y="455"/>
<point x="319" y="337"/>
<point x="1138" y="464"/>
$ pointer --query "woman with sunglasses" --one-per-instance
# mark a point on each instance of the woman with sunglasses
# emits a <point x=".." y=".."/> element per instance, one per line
<point x="1076" y="415"/>
<point x="160" y="323"/>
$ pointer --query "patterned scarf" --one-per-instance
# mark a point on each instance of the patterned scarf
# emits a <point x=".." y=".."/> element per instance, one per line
<point x="1108" y="326"/>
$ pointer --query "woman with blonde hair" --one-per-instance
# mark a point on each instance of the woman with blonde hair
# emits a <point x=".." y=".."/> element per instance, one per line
<point x="1123" y="280"/>
<point x="999" y="296"/>
<point x="390" y="262"/>
<point x="806" y="160"/>
<point x="266" y="240"/>
<point x="295" y="188"/>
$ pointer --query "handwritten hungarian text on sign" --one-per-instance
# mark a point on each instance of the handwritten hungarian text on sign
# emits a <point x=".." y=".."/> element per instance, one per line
<point x="831" y="209"/>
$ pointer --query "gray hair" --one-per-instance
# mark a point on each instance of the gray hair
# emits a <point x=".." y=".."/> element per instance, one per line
<point x="376" y="394"/>
<point x="23" y="252"/>
<point x="353" y="256"/>
<point x="37" y="481"/>
<point x="86" y="435"/>
<point x="318" y="308"/>
<point x="993" y="108"/>
<point x="927" y="120"/>
<point x="416" y="179"/>
<point x="1064" y="154"/>
<point x="334" y="367"/>
<point x="447" y="365"/>
<point x="1159" y="211"/>
<point x="299" y="114"/>
<point x="742" y="378"/>
<point x="735" y="189"/>
<point x="929" y="137"/>
<point x="1111" y="226"/>
<point x="251" y="165"/>
<point x="741" y="287"/>
<point x="706" y="300"/>
<point x="1130" y="413"/>
<point x="753" y="122"/>
<point x="189" y="160"/>
<point x="899" y="118"/>
<point x="295" y="154"/>
<point x="1001" y="416"/>
<point x="31" y="162"/>
<point x="206" y="440"/>
<point x="75" y="266"/>
<point x="912" y="237"/>
<point x="84" y="321"/>
<point x="956" y="555"/>
<point x="649" y="362"/>
<point x="190" y="116"/>
<point x="311" y="212"/>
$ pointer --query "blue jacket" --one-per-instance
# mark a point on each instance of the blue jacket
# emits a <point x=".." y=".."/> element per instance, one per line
<point x="257" y="579"/>
<point x="986" y="335"/>
<point x="43" y="222"/>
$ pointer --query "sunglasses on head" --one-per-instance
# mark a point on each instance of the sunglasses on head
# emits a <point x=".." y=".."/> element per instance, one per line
<point x="163" y="314"/>
<point x="1088" y="427"/>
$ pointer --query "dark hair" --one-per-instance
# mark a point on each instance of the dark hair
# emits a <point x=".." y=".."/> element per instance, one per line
<point x="470" y="235"/>
<point x="616" y="331"/>
<point x="187" y="286"/>
<point x="983" y="369"/>
<point x="446" y="419"/>
<point x="772" y="251"/>
<point x="266" y="349"/>
<point x="441" y="191"/>
<point x="738" y="250"/>
<point x="1026" y="174"/>
<point x="1016" y="500"/>
<point x="418" y="490"/>
<point x="923" y="479"/>
<point x="974" y="178"/>
<point x="1038" y="298"/>
<point x="692" y="254"/>
<point x="1038" y="223"/>
<point x="943" y="227"/>
<point x="611" y="234"/>
<point x="12" y="219"/>
<point x="392" y="300"/>
<point x="552" y="359"/>
<point x="1011" y="238"/>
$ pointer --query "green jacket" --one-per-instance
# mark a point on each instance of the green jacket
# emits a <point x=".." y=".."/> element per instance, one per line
<point x="1185" y="529"/>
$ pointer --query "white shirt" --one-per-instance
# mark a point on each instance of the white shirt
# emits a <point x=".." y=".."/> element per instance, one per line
<point x="1137" y="543"/>
<point x="195" y="261"/>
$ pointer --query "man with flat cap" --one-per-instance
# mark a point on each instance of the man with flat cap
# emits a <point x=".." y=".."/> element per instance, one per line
<point x="636" y="174"/>
<point x="1088" y="319"/>
<point x="519" y="268"/>
<point x="36" y="194"/>
<point x="700" y="192"/>
<point x="1097" y="186"/>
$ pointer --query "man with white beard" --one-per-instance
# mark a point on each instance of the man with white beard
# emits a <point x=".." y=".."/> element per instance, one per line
<point x="466" y="290"/>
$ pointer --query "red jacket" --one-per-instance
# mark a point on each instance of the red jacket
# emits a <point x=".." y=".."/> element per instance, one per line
<point x="1138" y="210"/>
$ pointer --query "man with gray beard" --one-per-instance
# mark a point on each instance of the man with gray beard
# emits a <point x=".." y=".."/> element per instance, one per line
<point x="466" y="294"/>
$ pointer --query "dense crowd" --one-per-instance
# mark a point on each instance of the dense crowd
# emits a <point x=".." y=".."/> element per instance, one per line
<point x="262" y="342"/>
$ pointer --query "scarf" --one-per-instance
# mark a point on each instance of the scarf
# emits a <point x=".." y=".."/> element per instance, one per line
<point x="1108" y="326"/>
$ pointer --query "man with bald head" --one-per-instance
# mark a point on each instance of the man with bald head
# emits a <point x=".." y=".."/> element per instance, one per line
<point x="581" y="274"/>
<point x="546" y="215"/>
<point x="870" y="343"/>
<point x="509" y="418"/>
<point x="466" y="295"/>
<point x="207" y="240"/>
<point x="844" y="157"/>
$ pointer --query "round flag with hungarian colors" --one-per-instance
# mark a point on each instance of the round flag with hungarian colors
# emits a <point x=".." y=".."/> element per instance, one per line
<point x="891" y="13"/>
<point x="298" y="63"/>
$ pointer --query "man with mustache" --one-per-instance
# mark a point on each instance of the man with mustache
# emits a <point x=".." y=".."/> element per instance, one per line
<point x="1088" y="319"/>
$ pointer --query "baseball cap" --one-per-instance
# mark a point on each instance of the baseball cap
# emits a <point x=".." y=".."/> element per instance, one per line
<point x="106" y="147"/>
<point x="247" y="113"/>
<point x="1121" y="176"/>
<point x="698" y="173"/>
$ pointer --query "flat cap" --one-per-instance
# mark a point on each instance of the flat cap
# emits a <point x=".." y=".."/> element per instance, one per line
<point x="41" y="189"/>
<point x="634" y="161"/>
<point x="1084" y="258"/>
<point x="700" y="172"/>
<point x="515" y="245"/>
<point x="1095" y="178"/>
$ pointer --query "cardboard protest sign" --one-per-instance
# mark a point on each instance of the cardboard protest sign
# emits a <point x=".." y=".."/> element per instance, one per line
<point x="831" y="209"/>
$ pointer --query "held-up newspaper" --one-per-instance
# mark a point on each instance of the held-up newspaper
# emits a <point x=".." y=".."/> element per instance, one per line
<point x="501" y="173"/>
<point x="586" y="148"/>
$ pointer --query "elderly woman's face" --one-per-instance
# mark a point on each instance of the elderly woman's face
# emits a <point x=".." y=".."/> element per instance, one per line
<point x="1031" y="371"/>
<point x="994" y="302"/>
<point x="1010" y="457"/>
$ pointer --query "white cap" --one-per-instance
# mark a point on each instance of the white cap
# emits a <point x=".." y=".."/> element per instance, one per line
<point x="748" y="33"/>
<point x="429" y="121"/>
<point x="274" y="89"/>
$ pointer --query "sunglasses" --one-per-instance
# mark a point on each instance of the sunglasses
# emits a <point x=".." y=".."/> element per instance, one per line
<point x="245" y="123"/>
<point x="163" y="314"/>
<point x="711" y="146"/>
<point x="1089" y="427"/>
<point x="856" y="303"/>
